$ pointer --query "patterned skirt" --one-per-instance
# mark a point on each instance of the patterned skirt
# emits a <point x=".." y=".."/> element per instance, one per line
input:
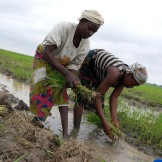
<point x="43" y="97"/>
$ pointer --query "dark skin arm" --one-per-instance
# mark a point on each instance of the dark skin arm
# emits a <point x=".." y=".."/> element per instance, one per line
<point x="71" y="79"/>
<point x="112" y="77"/>
<point x="113" y="104"/>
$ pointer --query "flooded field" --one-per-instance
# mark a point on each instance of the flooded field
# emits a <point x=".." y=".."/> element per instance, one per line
<point x="121" y="151"/>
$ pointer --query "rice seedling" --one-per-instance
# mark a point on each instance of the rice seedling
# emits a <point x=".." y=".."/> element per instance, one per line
<point x="93" y="118"/>
<point x="57" y="80"/>
<point x="145" y="126"/>
<point x="116" y="132"/>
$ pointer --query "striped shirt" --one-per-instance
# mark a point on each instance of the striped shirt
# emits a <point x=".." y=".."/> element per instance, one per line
<point x="104" y="59"/>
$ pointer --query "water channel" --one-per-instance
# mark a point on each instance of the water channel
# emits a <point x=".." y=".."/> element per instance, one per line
<point x="94" y="137"/>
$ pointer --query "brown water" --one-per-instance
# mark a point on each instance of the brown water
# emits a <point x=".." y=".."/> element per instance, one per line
<point x="121" y="151"/>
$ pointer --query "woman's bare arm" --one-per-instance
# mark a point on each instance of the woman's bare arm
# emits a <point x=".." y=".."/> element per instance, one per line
<point x="71" y="79"/>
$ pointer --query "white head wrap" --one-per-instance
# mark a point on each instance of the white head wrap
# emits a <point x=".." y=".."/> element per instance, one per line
<point x="92" y="15"/>
<point x="139" y="73"/>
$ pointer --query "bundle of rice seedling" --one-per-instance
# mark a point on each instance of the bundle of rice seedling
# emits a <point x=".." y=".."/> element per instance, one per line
<point x="57" y="80"/>
<point x="93" y="118"/>
<point x="116" y="132"/>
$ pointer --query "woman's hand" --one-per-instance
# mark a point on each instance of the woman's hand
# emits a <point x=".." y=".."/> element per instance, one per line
<point x="72" y="80"/>
<point x="116" y="124"/>
<point x="108" y="131"/>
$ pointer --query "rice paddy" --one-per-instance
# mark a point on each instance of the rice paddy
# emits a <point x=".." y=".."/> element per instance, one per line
<point x="144" y="126"/>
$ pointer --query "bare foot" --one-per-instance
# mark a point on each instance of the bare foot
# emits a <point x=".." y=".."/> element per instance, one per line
<point x="74" y="133"/>
<point x="66" y="137"/>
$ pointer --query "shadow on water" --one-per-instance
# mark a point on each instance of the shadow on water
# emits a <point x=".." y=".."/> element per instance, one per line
<point x="121" y="151"/>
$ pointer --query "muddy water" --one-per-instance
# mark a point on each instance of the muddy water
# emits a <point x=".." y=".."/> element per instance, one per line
<point x="121" y="151"/>
<point x="18" y="89"/>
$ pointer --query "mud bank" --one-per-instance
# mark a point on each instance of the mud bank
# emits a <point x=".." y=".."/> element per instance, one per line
<point x="20" y="140"/>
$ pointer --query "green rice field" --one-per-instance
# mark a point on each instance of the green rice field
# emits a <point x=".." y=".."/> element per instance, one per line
<point x="17" y="65"/>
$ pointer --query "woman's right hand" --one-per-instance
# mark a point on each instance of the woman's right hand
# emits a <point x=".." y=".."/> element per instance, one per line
<point x="72" y="80"/>
<point x="116" y="124"/>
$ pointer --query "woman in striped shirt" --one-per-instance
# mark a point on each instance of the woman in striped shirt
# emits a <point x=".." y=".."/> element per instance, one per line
<point x="100" y="71"/>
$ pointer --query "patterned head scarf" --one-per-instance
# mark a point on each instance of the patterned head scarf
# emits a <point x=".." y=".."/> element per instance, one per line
<point x="92" y="15"/>
<point x="139" y="73"/>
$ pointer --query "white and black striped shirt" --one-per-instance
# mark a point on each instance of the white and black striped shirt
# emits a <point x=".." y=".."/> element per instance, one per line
<point x="103" y="60"/>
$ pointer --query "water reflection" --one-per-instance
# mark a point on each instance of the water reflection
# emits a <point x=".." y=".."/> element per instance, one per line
<point x="16" y="88"/>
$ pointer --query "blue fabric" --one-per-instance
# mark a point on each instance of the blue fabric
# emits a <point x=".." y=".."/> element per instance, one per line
<point x="157" y="160"/>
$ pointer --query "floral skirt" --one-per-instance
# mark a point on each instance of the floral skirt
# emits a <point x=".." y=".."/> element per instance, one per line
<point x="43" y="97"/>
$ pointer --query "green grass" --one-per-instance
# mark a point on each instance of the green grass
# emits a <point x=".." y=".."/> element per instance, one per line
<point x="147" y="93"/>
<point x="17" y="65"/>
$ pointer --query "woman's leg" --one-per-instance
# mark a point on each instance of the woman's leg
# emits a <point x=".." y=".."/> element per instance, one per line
<point x="78" y="111"/>
<point x="64" y="120"/>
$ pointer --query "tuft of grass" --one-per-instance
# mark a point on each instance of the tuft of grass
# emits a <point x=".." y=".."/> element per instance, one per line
<point x="57" y="140"/>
